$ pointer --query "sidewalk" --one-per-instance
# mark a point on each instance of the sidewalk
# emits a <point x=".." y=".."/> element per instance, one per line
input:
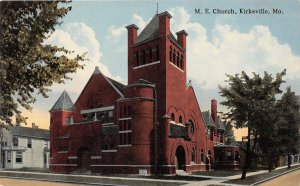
<point x="224" y="180"/>
<point x="188" y="180"/>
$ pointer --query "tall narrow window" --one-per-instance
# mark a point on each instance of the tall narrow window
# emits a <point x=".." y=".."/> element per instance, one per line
<point x="150" y="54"/>
<point x="137" y="60"/>
<point x="157" y="53"/>
<point x="29" y="142"/>
<point x="172" y="117"/>
<point x="193" y="155"/>
<point x="171" y="56"/>
<point x="211" y="134"/>
<point x="19" y="157"/>
<point x="180" y="119"/>
<point x="202" y="156"/>
<point x="181" y="62"/>
<point x="178" y="60"/>
<point x="8" y="156"/>
<point x="174" y="56"/>
<point x="15" y="142"/>
<point x="143" y="57"/>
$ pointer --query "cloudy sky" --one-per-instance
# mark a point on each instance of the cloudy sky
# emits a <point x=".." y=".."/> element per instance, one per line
<point x="216" y="44"/>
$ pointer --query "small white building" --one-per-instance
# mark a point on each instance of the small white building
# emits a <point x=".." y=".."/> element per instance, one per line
<point x="25" y="147"/>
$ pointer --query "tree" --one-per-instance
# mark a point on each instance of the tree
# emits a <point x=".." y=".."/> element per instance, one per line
<point x="288" y="123"/>
<point x="27" y="64"/>
<point x="229" y="134"/>
<point x="249" y="101"/>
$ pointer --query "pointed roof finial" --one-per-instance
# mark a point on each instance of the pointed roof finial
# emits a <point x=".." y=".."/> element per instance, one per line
<point x="156" y="8"/>
<point x="97" y="70"/>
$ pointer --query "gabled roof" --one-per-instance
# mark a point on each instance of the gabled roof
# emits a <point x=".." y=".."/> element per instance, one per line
<point x="64" y="102"/>
<point x="117" y="84"/>
<point x="207" y="119"/>
<point x="119" y="87"/>
<point x="29" y="132"/>
<point x="150" y="31"/>
<point x="219" y="124"/>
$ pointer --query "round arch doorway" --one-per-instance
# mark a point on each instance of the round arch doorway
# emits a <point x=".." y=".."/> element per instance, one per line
<point x="84" y="160"/>
<point x="180" y="158"/>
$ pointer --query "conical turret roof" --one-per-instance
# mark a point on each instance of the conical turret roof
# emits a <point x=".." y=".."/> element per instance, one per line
<point x="64" y="102"/>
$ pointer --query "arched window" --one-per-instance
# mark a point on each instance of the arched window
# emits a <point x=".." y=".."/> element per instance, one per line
<point x="178" y="60"/>
<point x="150" y="54"/>
<point x="143" y="56"/>
<point x="172" y="117"/>
<point x="202" y="156"/>
<point x="157" y="53"/>
<point x="137" y="61"/>
<point x="171" y="59"/>
<point x="180" y="119"/>
<point x="193" y="155"/>
<point x="192" y="126"/>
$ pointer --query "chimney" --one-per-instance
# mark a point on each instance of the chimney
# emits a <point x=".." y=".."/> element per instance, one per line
<point x="164" y="23"/>
<point x="181" y="38"/>
<point x="214" y="110"/>
<point x="132" y="34"/>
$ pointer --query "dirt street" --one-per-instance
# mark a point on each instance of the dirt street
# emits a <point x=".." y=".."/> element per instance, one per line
<point x="290" y="179"/>
<point x="20" y="182"/>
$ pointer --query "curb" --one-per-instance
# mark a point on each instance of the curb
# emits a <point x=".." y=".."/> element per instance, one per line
<point x="267" y="179"/>
<point x="90" y="180"/>
<point x="60" y="181"/>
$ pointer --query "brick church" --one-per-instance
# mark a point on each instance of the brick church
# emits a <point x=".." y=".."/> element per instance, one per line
<point x="153" y="125"/>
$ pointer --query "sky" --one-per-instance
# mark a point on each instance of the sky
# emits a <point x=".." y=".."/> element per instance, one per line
<point x="217" y="44"/>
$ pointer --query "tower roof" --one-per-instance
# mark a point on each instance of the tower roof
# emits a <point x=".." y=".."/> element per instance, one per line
<point x="207" y="119"/>
<point x="219" y="124"/>
<point x="64" y="102"/>
<point x="150" y="31"/>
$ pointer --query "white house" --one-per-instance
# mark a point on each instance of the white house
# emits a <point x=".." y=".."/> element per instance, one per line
<point x="24" y="147"/>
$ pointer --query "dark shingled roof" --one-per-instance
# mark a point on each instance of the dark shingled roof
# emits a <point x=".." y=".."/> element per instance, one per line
<point x="207" y="119"/>
<point x="219" y="124"/>
<point x="29" y="132"/>
<point x="150" y="31"/>
<point x="64" y="102"/>
<point x="118" y="85"/>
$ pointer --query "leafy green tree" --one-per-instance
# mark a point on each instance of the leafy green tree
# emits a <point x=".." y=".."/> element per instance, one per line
<point x="27" y="64"/>
<point x="288" y="123"/>
<point x="249" y="101"/>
